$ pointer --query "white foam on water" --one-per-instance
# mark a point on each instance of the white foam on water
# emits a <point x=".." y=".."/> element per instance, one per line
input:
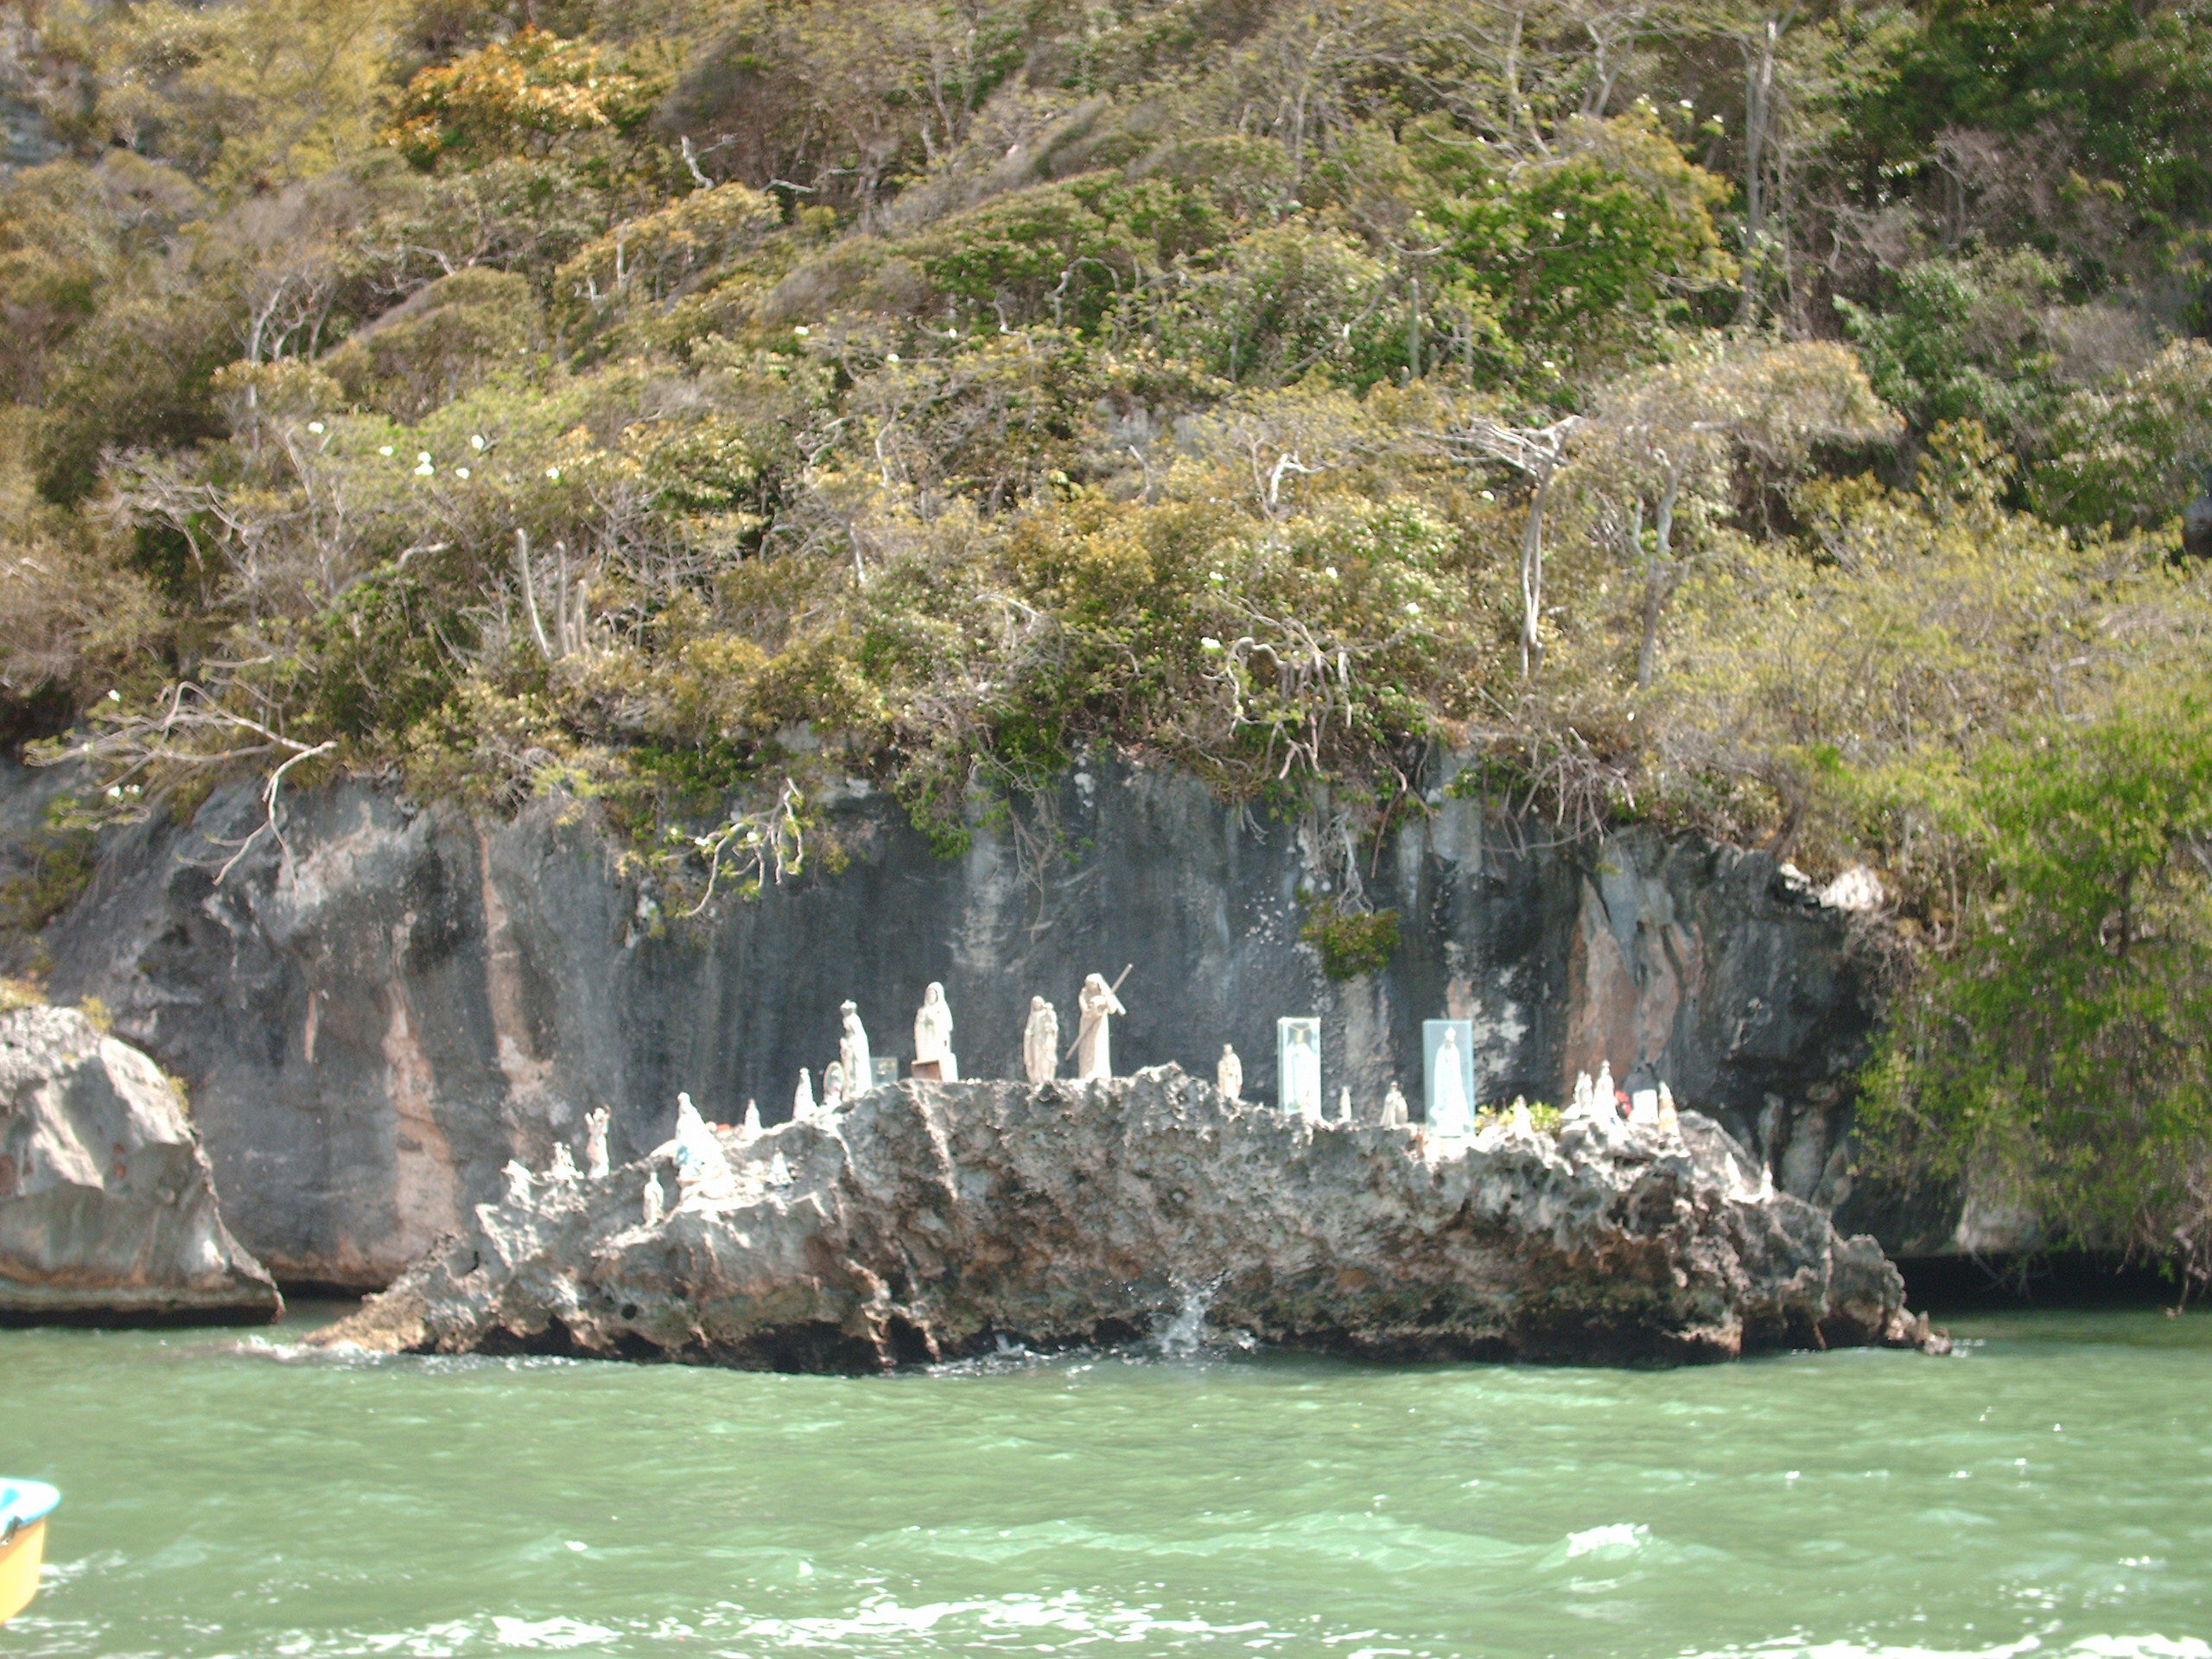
<point x="548" y="1633"/>
<point x="1623" y="1537"/>
<point x="2151" y="1646"/>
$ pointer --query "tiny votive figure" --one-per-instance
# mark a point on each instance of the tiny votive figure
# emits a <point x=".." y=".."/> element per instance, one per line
<point x="934" y="1035"/>
<point x="1040" y="1042"/>
<point x="1298" y="1067"/>
<point x="1394" y="1107"/>
<point x="596" y="1161"/>
<point x="1448" y="1051"/>
<point x="1229" y="1073"/>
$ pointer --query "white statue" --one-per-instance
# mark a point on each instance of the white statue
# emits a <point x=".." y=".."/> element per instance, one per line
<point x="833" y="1085"/>
<point x="750" y="1129"/>
<point x="1302" y="1082"/>
<point x="1395" y="1115"/>
<point x="1644" y="1106"/>
<point x="933" y="1034"/>
<point x="1229" y="1073"/>
<point x="561" y="1172"/>
<point x="1583" y="1091"/>
<point x="1604" y="1097"/>
<point x="1669" y="1117"/>
<point x="1521" y="1122"/>
<point x="852" y="1050"/>
<point x="1449" y="1110"/>
<point x="1094" y="1039"/>
<point x="779" y="1172"/>
<point x="595" y="1164"/>
<point x="1344" y="1105"/>
<point x="699" y="1156"/>
<point x="1040" y="1042"/>
<point x="656" y="1201"/>
<point x="517" y="1182"/>
<point x="803" y="1097"/>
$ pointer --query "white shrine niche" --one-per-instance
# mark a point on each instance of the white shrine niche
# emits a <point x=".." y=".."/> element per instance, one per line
<point x="1298" y="1067"/>
<point x="1448" y="1074"/>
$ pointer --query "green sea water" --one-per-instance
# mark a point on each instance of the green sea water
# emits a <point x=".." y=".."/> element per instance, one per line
<point x="2047" y="1489"/>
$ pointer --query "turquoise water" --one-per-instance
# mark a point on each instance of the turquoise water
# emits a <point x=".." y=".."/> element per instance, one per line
<point x="2047" y="1489"/>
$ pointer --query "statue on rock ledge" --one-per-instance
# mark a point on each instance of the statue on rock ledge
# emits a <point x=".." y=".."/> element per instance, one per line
<point x="1093" y="1040"/>
<point x="595" y="1164"/>
<point x="852" y="1049"/>
<point x="803" y="1097"/>
<point x="833" y="1085"/>
<point x="934" y="1035"/>
<point x="1229" y="1073"/>
<point x="656" y="1201"/>
<point x="1040" y="1042"/>
<point x="1395" y="1115"/>
<point x="561" y="1172"/>
<point x="518" y="1176"/>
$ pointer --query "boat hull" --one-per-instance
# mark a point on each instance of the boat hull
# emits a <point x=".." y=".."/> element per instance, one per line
<point x="19" y="1563"/>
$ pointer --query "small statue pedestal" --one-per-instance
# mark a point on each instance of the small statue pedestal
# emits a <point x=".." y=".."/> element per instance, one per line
<point x="926" y="1070"/>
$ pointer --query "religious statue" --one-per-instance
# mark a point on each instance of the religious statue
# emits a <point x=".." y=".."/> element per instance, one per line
<point x="699" y="1156"/>
<point x="1040" y="1042"/>
<point x="656" y="1201"/>
<point x="1580" y="1106"/>
<point x="1301" y="1074"/>
<point x="833" y="1085"/>
<point x="934" y="1035"/>
<point x="1094" y="1041"/>
<point x="1344" y="1105"/>
<point x="852" y="1049"/>
<point x="1669" y="1119"/>
<point x="517" y="1182"/>
<point x="1395" y="1115"/>
<point x="803" y="1097"/>
<point x="1604" y="1097"/>
<point x="595" y="1164"/>
<point x="750" y="1129"/>
<point x="1522" y="1120"/>
<point x="561" y="1172"/>
<point x="1450" y="1112"/>
<point x="1229" y="1073"/>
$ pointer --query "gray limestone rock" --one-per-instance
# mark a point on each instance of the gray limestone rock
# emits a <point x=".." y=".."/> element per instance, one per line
<point x="107" y="1205"/>
<point x="934" y="1220"/>
<point x="375" y="1018"/>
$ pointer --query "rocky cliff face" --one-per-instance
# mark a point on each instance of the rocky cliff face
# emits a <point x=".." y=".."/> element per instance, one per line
<point x="372" y="1025"/>
<point x="107" y="1205"/>
<point x="933" y="1220"/>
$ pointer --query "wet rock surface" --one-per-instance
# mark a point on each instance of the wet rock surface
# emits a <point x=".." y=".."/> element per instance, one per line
<point x="107" y="1205"/>
<point x="930" y="1221"/>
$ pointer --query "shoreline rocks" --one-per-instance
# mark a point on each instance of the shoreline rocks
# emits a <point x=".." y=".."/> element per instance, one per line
<point x="107" y="1205"/>
<point x="930" y="1221"/>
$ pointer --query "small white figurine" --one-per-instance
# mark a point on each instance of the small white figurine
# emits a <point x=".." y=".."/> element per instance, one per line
<point x="1583" y="1091"/>
<point x="1395" y="1115"/>
<point x="933" y="1034"/>
<point x="1644" y="1106"/>
<point x="750" y="1129"/>
<point x="803" y="1097"/>
<point x="779" y="1172"/>
<point x="699" y="1156"/>
<point x="1229" y="1073"/>
<point x="1093" y="1040"/>
<point x="1450" y="1112"/>
<point x="1669" y="1117"/>
<point x="852" y="1049"/>
<point x="517" y="1182"/>
<point x="595" y="1164"/>
<point x="561" y="1172"/>
<point x="1040" y="1042"/>
<point x="1302" y="1082"/>
<point x="1521" y="1122"/>
<point x="1604" y="1097"/>
<point x="1344" y="1105"/>
<point x="833" y="1085"/>
<point x="656" y="1201"/>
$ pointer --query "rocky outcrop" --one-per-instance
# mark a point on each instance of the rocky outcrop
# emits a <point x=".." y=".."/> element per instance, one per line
<point x="376" y="1016"/>
<point x="928" y="1221"/>
<point x="107" y="1205"/>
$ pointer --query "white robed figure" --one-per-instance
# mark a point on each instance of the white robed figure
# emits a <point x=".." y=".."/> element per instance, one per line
<point x="1449" y="1112"/>
<point x="1093" y="1040"/>
<point x="596" y="1161"/>
<point x="1302" y="1080"/>
<point x="699" y="1157"/>
<point x="1394" y="1107"/>
<point x="833" y="1085"/>
<point x="1229" y="1073"/>
<point x="852" y="1050"/>
<point x="1040" y="1042"/>
<point x="933" y="1034"/>
<point x="803" y="1097"/>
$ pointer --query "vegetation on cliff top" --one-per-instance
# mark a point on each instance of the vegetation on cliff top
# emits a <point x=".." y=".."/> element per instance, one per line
<point x="1771" y="419"/>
